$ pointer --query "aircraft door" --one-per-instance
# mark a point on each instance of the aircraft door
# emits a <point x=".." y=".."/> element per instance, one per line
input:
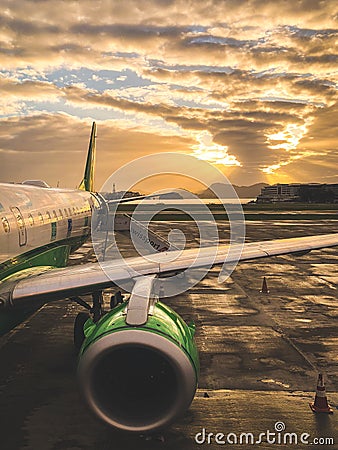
<point x="20" y="223"/>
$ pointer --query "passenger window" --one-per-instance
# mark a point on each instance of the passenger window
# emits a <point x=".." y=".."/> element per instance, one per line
<point x="61" y="214"/>
<point x="48" y="215"/>
<point x="70" y="211"/>
<point x="5" y="225"/>
<point x="66" y="212"/>
<point x="54" y="214"/>
<point x="41" y="218"/>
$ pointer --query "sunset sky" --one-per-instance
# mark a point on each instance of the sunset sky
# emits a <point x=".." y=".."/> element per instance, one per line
<point x="250" y="86"/>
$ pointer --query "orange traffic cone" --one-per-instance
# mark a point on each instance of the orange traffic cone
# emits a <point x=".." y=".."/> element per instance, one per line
<point x="320" y="405"/>
<point x="264" y="289"/>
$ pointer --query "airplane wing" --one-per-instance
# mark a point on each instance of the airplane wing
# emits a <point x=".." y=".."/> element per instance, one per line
<point x="129" y="199"/>
<point x="84" y="279"/>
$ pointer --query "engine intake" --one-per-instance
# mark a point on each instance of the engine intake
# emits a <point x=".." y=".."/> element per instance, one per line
<point x="137" y="380"/>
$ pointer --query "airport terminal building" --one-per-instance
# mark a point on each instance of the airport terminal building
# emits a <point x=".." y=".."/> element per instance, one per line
<point x="295" y="192"/>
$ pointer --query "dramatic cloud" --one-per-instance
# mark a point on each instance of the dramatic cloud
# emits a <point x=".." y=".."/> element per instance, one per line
<point x="249" y="85"/>
<point x="53" y="147"/>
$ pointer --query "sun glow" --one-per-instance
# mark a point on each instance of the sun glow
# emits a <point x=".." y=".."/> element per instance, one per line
<point x="288" y="139"/>
<point x="208" y="150"/>
<point x="271" y="169"/>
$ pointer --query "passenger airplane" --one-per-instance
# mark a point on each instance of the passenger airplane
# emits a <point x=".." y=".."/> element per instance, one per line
<point x="138" y="363"/>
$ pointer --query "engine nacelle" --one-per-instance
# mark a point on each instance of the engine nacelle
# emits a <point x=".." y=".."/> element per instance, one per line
<point x="139" y="378"/>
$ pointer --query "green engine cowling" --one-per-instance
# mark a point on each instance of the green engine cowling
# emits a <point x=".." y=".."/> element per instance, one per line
<point x="139" y="378"/>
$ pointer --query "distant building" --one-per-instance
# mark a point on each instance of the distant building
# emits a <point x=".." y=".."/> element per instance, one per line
<point x="279" y="193"/>
<point x="299" y="192"/>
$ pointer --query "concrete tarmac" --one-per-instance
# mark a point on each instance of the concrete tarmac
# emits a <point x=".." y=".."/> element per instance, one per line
<point x="260" y="357"/>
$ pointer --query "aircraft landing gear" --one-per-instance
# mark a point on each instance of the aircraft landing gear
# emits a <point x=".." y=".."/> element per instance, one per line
<point x="116" y="299"/>
<point x="95" y="311"/>
<point x="79" y="335"/>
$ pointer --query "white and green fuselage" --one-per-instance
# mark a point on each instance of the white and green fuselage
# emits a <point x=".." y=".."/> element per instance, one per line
<point x="39" y="229"/>
<point x="41" y="226"/>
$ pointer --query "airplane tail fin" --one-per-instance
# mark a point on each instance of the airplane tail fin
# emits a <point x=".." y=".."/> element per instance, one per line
<point x="87" y="184"/>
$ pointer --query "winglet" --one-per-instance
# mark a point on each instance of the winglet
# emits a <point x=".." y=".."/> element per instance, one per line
<point x="87" y="184"/>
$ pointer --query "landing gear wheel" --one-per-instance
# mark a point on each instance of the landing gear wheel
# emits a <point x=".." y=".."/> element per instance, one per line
<point x="79" y="335"/>
<point x="116" y="299"/>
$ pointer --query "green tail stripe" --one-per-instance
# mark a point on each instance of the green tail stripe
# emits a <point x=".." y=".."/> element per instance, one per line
<point x="87" y="184"/>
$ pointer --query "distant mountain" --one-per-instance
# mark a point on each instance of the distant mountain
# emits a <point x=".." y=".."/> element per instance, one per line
<point x="170" y="196"/>
<point x="242" y="191"/>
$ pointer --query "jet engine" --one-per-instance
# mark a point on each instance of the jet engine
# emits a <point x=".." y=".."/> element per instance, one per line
<point x="139" y="378"/>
